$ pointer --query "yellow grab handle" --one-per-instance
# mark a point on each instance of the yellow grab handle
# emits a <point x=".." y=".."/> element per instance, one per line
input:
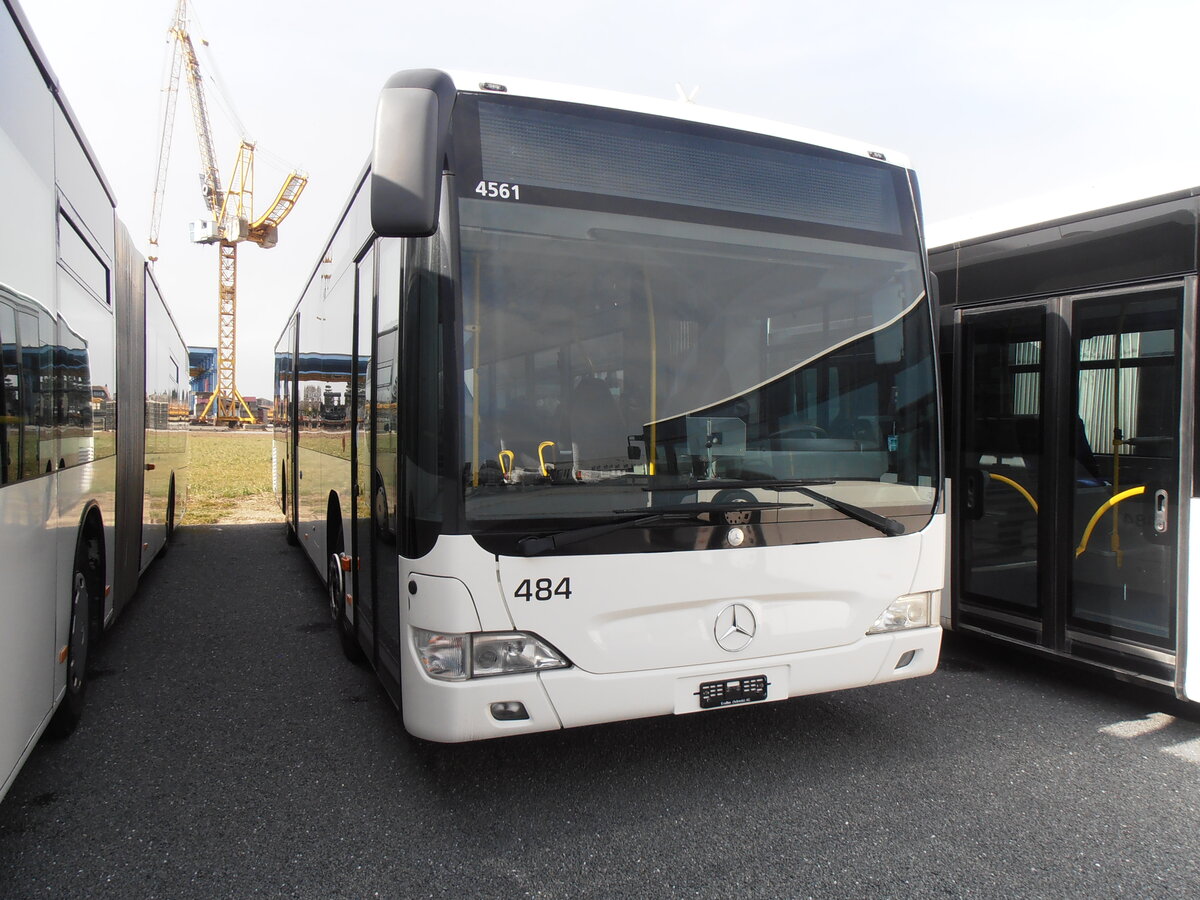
<point x="1013" y="484"/>
<point x="506" y="455"/>
<point x="541" y="457"/>
<point x="1105" y="507"/>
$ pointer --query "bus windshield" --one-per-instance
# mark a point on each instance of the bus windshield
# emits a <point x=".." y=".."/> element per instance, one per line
<point x="639" y="339"/>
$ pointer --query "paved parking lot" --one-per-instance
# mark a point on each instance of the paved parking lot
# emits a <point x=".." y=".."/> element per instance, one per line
<point x="229" y="750"/>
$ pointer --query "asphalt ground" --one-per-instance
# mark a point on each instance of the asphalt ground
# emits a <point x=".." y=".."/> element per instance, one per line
<point x="229" y="750"/>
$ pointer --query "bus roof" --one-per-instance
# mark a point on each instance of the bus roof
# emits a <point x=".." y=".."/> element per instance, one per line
<point x="675" y="109"/>
<point x="1059" y="208"/>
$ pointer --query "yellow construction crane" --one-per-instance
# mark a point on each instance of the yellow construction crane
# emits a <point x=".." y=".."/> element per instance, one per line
<point x="230" y="217"/>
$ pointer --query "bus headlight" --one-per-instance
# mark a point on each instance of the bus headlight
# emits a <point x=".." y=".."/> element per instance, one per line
<point x="909" y="611"/>
<point x="457" y="657"/>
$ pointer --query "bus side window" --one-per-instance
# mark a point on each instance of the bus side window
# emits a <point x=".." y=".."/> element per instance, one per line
<point x="37" y="415"/>
<point x="10" y="397"/>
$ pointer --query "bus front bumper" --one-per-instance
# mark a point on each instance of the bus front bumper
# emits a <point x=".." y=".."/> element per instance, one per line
<point x="452" y="712"/>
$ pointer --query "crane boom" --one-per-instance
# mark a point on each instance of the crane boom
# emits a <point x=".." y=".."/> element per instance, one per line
<point x="210" y="177"/>
<point x="167" y="130"/>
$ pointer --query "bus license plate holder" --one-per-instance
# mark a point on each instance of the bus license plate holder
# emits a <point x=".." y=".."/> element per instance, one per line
<point x="763" y="685"/>
<point x="732" y="691"/>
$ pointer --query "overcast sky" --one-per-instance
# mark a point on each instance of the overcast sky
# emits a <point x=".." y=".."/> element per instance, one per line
<point x="1075" y="104"/>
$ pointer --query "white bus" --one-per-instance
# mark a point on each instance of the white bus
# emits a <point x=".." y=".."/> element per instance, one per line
<point x="1070" y="355"/>
<point x="599" y="407"/>
<point x="93" y="466"/>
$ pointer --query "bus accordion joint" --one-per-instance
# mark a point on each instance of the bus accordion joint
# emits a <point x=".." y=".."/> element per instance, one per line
<point x="1105" y="507"/>
<point x="1024" y="493"/>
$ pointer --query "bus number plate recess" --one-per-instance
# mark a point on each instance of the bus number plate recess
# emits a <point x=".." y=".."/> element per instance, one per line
<point x="732" y="691"/>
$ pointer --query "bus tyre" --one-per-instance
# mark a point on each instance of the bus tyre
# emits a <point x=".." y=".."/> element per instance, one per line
<point x="70" y="711"/>
<point x="170" y="519"/>
<point x="337" y="611"/>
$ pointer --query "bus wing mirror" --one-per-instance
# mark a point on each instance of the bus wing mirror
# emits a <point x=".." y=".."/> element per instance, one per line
<point x="412" y="127"/>
<point x="406" y="163"/>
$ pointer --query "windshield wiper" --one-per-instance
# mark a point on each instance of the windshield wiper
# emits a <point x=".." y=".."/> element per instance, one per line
<point x="715" y="484"/>
<point x="890" y="527"/>
<point x="681" y="512"/>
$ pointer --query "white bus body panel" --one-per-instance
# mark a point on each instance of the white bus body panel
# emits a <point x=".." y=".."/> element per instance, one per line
<point x="1191" y="598"/>
<point x="637" y="654"/>
<point x="27" y="621"/>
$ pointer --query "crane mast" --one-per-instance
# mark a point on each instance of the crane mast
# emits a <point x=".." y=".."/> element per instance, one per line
<point x="230" y="218"/>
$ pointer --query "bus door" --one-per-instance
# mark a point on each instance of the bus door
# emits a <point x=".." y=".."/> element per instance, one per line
<point x="363" y="464"/>
<point x="1000" y="483"/>
<point x="1070" y="474"/>
<point x="377" y="601"/>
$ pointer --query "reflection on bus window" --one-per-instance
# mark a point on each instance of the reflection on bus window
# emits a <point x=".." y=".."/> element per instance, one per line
<point x="28" y="417"/>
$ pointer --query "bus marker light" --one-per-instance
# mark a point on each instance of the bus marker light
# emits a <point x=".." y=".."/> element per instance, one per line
<point x="62" y="655"/>
<point x="909" y="611"/>
<point x="443" y="656"/>
<point x="510" y="711"/>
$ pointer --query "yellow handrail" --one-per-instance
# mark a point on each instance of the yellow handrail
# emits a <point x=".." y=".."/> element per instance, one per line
<point x="1105" y="507"/>
<point x="1024" y="493"/>
<point x="542" y="459"/>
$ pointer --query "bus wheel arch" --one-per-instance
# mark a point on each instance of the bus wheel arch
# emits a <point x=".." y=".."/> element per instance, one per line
<point x="289" y="531"/>
<point x="86" y="623"/>
<point x="89" y="551"/>
<point x="338" y="577"/>
<point x="170" y="521"/>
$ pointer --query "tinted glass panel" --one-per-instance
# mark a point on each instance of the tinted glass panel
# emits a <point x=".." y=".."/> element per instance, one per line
<point x="1125" y="479"/>
<point x="551" y="151"/>
<point x="1002" y="463"/>
<point x="77" y="255"/>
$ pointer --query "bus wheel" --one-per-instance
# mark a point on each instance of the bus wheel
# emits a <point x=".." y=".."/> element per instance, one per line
<point x="290" y="532"/>
<point x="70" y="711"/>
<point x="337" y="610"/>
<point x="170" y="519"/>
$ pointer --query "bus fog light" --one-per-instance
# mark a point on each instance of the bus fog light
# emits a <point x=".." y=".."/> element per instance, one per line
<point x="508" y="653"/>
<point x="442" y="655"/>
<point x="909" y="611"/>
<point x="510" y="711"/>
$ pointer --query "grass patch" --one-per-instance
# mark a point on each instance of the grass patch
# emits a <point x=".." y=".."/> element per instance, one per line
<point x="227" y="470"/>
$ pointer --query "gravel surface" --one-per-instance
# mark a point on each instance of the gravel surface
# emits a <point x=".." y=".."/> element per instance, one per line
<point x="229" y="750"/>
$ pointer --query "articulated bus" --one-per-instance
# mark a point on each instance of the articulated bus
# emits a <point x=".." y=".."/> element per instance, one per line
<point x="92" y="468"/>
<point x="598" y="407"/>
<point x="1069" y="356"/>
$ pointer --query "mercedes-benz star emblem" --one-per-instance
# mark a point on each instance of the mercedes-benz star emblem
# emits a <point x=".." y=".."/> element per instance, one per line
<point x="735" y="628"/>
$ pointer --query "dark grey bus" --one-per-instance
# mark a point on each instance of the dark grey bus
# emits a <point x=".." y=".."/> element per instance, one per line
<point x="1069" y="364"/>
